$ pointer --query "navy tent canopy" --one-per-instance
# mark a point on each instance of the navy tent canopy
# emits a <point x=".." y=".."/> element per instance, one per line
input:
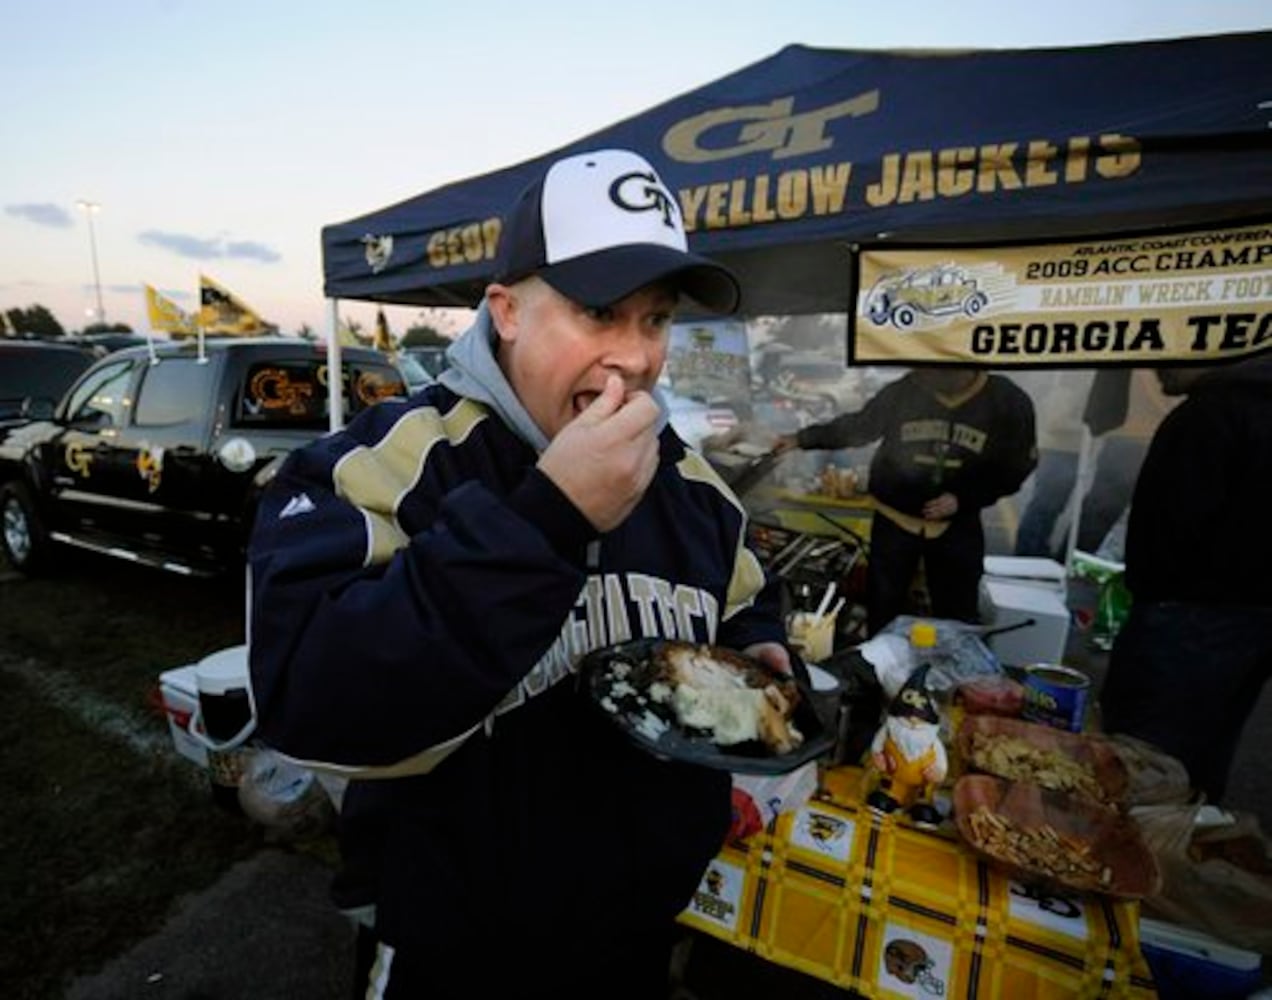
<point x="786" y="165"/>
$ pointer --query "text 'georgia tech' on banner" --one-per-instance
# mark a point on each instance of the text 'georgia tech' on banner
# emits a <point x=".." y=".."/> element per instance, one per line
<point x="1189" y="298"/>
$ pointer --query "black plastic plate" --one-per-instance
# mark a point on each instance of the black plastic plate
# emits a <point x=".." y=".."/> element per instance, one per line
<point x="653" y="727"/>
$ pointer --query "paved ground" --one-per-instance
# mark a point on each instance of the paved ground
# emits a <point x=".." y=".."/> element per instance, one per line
<point x="266" y="931"/>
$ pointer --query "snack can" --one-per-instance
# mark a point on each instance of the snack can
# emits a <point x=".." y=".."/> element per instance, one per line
<point x="1055" y="695"/>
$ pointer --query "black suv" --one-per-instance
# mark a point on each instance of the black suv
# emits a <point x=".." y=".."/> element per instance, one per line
<point x="162" y="462"/>
<point x="33" y="376"/>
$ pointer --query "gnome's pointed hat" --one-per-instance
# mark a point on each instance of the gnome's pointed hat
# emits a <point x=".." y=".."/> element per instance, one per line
<point x="913" y="700"/>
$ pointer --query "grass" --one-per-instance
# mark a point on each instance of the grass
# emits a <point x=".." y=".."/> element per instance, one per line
<point x="105" y="827"/>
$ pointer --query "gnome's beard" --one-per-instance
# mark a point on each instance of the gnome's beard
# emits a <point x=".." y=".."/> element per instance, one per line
<point x="911" y="736"/>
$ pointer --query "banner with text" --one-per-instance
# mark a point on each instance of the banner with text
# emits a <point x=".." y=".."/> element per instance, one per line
<point x="709" y="360"/>
<point x="1181" y="297"/>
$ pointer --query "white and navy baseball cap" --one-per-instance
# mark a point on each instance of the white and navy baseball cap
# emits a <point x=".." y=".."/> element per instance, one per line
<point x="600" y="225"/>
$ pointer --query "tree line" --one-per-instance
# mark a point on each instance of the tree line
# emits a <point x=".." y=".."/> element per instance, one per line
<point x="39" y="322"/>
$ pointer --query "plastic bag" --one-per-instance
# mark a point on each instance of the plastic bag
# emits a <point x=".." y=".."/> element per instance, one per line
<point x="757" y="799"/>
<point x="1154" y="777"/>
<point x="1113" y="603"/>
<point x="958" y="656"/>
<point x="1215" y="878"/>
<point x="284" y="797"/>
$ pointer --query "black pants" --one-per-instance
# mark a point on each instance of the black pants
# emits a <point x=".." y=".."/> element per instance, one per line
<point x="1185" y="678"/>
<point x="952" y="564"/>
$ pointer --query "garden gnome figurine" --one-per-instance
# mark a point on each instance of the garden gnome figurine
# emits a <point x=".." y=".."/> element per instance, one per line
<point x="908" y="753"/>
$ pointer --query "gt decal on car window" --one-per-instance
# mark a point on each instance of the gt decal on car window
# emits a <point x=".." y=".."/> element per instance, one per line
<point x="275" y="389"/>
<point x="371" y="386"/>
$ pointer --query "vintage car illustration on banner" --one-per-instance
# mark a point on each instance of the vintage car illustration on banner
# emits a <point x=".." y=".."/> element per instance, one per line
<point x="902" y="298"/>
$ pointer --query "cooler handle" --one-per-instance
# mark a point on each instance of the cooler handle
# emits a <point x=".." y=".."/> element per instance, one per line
<point x="195" y="728"/>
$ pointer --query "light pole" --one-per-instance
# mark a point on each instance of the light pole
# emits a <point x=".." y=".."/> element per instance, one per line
<point x="91" y="208"/>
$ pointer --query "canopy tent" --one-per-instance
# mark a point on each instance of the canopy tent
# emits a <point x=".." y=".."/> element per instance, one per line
<point x="803" y="171"/>
<point x="785" y="167"/>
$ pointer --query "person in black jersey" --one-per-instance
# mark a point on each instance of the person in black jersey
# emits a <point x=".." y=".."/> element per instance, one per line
<point x="952" y="441"/>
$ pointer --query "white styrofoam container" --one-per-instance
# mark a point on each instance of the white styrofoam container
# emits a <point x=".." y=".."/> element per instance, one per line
<point x="180" y="696"/>
<point x="1032" y="570"/>
<point x="1005" y="602"/>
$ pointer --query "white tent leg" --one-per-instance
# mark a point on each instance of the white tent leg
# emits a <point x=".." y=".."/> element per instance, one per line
<point x="335" y="397"/>
<point x="1079" y="491"/>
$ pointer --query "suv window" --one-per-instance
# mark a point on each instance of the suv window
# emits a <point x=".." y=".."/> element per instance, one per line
<point x="175" y="391"/>
<point x="39" y="373"/>
<point x="293" y="393"/>
<point x="103" y="398"/>
<point x="372" y="383"/>
<point x="432" y="359"/>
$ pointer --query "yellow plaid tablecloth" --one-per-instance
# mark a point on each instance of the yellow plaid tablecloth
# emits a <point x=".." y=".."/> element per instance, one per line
<point x="868" y="903"/>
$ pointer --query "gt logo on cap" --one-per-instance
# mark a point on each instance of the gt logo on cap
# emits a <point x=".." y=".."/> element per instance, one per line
<point x="598" y="226"/>
<point x="633" y="197"/>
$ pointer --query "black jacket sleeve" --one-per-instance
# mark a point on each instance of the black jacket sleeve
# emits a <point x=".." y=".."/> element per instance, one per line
<point x="852" y="430"/>
<point x="390" y="664"/>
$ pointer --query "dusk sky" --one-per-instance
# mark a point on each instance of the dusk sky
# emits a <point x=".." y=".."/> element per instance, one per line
<point x="219" y="139"/>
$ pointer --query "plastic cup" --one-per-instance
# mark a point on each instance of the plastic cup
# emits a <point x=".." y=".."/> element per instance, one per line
<point x="811" y="635"/>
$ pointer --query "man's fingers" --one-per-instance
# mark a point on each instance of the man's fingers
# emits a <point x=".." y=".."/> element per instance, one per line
<point x="604" y="406"/>
<point x="638" y="413"/>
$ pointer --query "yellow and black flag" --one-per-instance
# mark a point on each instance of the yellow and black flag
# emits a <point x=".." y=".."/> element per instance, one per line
<point x="166" y="315"/>
<point x="223" y="313"/>
<point x="383" y="341"/>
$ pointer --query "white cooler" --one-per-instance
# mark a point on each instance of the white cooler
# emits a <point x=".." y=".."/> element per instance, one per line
<point x="1015" y="590"/>
<point x="180" y="696"/>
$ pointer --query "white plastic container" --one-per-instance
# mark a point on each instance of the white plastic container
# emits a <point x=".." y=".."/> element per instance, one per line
<point x="1004" y="603"/>
<point x="180" y="697"/>
<point x="225" y="720"/>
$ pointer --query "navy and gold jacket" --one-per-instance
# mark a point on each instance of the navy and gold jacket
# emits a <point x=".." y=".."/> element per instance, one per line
<point x="421" y="594"/>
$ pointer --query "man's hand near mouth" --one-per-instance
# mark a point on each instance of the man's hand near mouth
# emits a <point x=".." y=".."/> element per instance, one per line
<point x="605" y="458"/>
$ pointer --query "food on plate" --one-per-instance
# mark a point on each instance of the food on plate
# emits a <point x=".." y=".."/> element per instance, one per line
<point x="1044" y="836"/>
<point x="726" y="695"/>
<point x="1014" y="758"/>
<point x="1042" y="849"/>
<point x="1079" y="764"/>
<point x="991" y="695"/>
<point x="706" y="705"/>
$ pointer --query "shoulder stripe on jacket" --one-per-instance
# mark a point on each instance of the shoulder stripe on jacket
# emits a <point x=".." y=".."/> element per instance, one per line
<point x="748" y="575"/>
<point x="375" y="478"/>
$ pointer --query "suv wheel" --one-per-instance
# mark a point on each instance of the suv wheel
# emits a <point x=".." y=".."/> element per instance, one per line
<point x="22" y="535"/>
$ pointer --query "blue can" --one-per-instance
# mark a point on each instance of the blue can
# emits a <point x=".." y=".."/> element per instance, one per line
<point x="1056" y="695"/>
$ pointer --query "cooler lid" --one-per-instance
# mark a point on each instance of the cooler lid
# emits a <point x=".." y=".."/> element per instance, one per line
<point x="222" y="671"/>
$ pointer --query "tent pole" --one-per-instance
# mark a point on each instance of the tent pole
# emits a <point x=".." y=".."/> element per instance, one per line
<point x="335" y="395"/>
<point x="1079" y="491"/>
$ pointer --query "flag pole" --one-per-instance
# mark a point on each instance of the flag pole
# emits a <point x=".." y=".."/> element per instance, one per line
<point x="150" y="332"/>
<point x="198" y="322"/>
<point x="335" y="394"/>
